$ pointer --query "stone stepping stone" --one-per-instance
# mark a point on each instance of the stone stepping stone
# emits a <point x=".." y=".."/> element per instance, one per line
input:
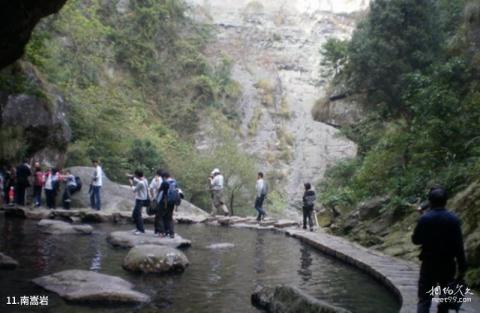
<point x="155" y="259"/>
<point x="190" y="219"/>
<point x="89" y="286"/>
<point x="7" y="262"/>
<point x="282" y="223"/>
<point x="221" y="245"/>
<point x="127" y="239"/>
<point x="290" y="299"/>
<point x="55" y="227"/>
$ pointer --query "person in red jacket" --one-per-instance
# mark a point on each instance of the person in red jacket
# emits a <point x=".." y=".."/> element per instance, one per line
<point x="38" y="182"/>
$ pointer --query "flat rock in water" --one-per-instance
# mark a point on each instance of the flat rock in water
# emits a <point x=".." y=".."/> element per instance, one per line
<point x="230" y="220"/>
<point x="155" y="259"/>
<point x="89" y="286"/>
<point x="189" y="219"/>
<point x="127" y="239"/>
<point x="286" y="299"/>
<point x="285" y="223"/>
<point x="38" y="214"/>
<point x="222" y="245"/>
<point x="55" y="227"/>
<point x="7" y="262"/>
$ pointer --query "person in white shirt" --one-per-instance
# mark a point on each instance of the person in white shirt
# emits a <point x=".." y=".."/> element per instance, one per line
<point x="216" y="186"/>
<point x="51" y="187"/>
<point x="96" y="186"/>
<point x="139" y="186"/>
<point x="261" y="192"/>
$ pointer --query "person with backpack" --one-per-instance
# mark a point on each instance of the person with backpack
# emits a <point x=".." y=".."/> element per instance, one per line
<point x="38" y="183"/>
<point x="216" y="186"/>
<point x="96" y="186"/>
<point x="439" y="233"/>
<point x="51" y="187"/>
<point x="169" y="197"/>
<point x="22" y="183"/>
<point x="261" y="189"/>
<point x="139" y="186"/>
<point x="308" y="206"/>
<point x="70" y="188"/>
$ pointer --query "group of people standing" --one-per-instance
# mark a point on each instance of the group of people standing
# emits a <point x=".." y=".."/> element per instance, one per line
<point x="160" y="197"/>
<point x="17" y="182"/>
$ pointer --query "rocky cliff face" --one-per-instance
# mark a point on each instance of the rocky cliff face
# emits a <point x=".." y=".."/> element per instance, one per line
<point x="32" y="117"/>
<point x="275" y="48"/>
<point x="17" y="20"/>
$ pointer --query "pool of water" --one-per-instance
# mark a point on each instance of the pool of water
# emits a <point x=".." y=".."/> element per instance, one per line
<point x="215" y="281"/>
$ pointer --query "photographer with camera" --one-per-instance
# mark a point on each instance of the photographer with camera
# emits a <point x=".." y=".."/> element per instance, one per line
<point x="139" y="186"/>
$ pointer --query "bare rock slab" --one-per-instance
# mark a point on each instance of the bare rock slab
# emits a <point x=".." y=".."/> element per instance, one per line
<point x="89" y="286"/>
<point x="55" y="227"/>
<point x="285" y="223"/>
<point x="127" y="239"/>
<point x="287" y="299"/>
<point x="155" y="259"/>
<point x="7" y="262"/>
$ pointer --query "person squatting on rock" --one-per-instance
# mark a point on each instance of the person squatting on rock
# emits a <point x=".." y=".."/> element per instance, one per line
<point x="23" y="174"/>
<point x="51" y="187"/>
<point x="261" y="188"/>
<point x="308" y="206"/>
<point x="139" y="186"/>
<point x="96" y="186"/>
<point x="70" y="188"/>
<point x="216" y="187"/>
<point x="439" y="233"/>
<point x="156" y="195"/>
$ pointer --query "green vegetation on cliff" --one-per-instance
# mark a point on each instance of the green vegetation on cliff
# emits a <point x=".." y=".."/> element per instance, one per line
<point x="417" y="63"/>
<point x="137" y="82"/>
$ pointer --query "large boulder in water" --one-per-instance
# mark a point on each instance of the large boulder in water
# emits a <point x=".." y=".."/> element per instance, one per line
<point x="88" y="286"/>
<point x="7" y="262"/>
<point x="127" y="239"/>
<point x="286" y="299"/>
<point x="55" y="227"/>
<point x="155" y="259"/>
<point x="115" y="197"/>
<point x="187" y="213"/>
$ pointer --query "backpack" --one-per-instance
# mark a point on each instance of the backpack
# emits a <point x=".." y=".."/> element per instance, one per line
<point x="309" y="201"/>
<point x="173" y="196"/>
<point x="264" y="188"/>
<point x="78" y="181"/>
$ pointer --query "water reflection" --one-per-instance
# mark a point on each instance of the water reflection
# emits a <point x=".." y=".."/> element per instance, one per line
<point x="260" y="253"/>
<point x="96" y="261"/>
<point x="216" y="281"/>
<point x="305" y="263"/>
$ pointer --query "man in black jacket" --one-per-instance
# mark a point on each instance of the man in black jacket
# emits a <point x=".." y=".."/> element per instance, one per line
<point x="439" y="233"/>
<point x="23" y="174"/>
<point x="308" y="206"/>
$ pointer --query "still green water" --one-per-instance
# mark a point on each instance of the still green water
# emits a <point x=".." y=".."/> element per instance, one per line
<point x="216" y="281"/>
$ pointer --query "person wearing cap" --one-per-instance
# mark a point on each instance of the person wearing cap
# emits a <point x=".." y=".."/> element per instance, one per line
<point x="216" y="186"/>
<point x="439" y="233"/>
